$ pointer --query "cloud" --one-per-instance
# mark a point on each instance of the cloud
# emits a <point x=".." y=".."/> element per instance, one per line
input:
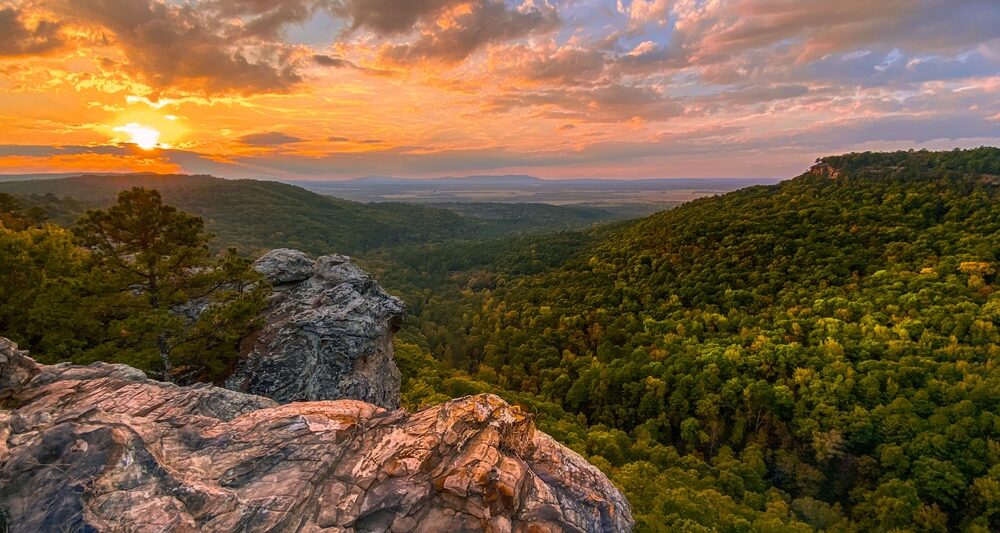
<point x="798" y="41"/>
<point x="900" y="129"/>
<point x="271" y="138"/>
<point x="465" y="31"/>
<point x="612" y="103"/>
<point x="158" y="104"/>
<point x="878" y="70"/>
<point x="566" y="65"/>
<point x="35" y="150"/>
<point x="18" y="39"/>
<point x="217" y="47"/>
<point x="388" y="17"/>
<point x="357" y="141"/>
<point x="756" y="94"/>
<point x="265" y="18"/>
<point x="327" y="61"/>
<point x="715" y="31"/>
<point x="184" y="47"/>
<point x="642" y="12"/>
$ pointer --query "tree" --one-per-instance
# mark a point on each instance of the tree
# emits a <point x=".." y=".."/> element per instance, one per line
<point x="14" y="216"/>
<point x="37" y="265"/>
<point x="162" y="295"/>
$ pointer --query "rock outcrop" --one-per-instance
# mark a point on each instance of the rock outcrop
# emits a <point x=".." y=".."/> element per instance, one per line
<point x="825" y="170"/>
<point x="102" y="448"/>
<point x="328" y="334"/>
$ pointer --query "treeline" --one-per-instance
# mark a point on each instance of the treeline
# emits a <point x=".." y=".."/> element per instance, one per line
<point x="917" y="164"/>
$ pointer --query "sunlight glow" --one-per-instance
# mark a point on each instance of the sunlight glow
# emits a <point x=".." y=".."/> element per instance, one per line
<point x="144" y="137"/>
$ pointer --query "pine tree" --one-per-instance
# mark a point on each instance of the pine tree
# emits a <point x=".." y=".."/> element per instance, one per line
<point x="166" y="301"/>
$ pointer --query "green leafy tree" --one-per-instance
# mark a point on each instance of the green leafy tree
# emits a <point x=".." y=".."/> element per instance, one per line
<point x="168" y="305"/>
<point x="38" y="266"/>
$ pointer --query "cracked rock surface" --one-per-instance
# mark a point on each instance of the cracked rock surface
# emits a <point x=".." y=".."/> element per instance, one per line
<point x="327" y="334"/>
<point x="102" y="448"/>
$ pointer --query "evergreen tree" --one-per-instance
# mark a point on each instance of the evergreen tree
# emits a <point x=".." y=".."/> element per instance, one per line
<point x="166" y="303"/>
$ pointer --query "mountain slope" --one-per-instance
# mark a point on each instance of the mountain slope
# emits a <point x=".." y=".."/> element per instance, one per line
<point x="258" y="215"/>
<point x="263" y="214"/>
<point x="828" y="345"/>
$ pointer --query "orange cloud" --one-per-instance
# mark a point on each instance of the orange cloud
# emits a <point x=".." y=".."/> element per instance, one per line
<point x="316" y="88"/>
<point x="20" y="37"/>
<point x="86" y="163"/>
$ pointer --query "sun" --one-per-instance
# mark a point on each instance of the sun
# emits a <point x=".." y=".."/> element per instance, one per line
<point x="147" y="128"/>
<point x="145" y="137"/>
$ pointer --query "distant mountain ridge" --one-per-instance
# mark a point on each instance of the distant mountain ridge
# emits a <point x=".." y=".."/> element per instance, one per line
<point x="257" y="215"/>
<point x="37" y="176"/>
<point x="508" y="179"/>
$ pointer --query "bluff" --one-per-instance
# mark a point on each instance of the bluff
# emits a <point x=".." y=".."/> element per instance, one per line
<point x="327" y="334"/>
<point x="103" y="448"/>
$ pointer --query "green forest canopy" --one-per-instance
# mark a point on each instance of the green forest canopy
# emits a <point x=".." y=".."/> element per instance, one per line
<point x="819" y="354"/>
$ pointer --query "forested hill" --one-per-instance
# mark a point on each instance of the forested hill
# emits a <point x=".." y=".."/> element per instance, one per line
<point x="920" y="209"/>
<point x="822" y="353"/>
<point x="259" y="215"/>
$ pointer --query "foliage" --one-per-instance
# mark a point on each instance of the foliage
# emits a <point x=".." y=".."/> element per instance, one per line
<point x="819" y="353"/>
<point x="41" y="267"/>
<point x="134" y="283"/>
<point x="14" y="215"/>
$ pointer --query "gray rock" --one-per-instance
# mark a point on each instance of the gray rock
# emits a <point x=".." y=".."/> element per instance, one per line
<point x="16" y="368"/>
<point x="283" y="265"/>
<point x="328" y="334"/>
<point x="101" y="448"/>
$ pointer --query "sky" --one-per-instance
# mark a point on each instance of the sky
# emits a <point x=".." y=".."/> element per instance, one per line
<point x="328" y="89"/>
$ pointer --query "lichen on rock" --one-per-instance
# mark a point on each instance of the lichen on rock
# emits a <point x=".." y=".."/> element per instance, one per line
<point x="107" y="449"/>
<point x="327" y="334"/>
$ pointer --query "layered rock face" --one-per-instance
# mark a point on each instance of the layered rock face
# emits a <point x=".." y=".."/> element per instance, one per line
<point x="103" y="448"/>
<point x="328" y="334"/>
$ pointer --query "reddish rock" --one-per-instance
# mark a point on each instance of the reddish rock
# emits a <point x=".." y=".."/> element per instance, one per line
<point x="103" y="448"/>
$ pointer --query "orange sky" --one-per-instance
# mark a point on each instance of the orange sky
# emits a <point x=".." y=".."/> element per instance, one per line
<point x="577" y="88"/>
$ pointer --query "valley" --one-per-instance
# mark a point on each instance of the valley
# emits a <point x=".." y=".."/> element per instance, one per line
<point x="820" y="354"/>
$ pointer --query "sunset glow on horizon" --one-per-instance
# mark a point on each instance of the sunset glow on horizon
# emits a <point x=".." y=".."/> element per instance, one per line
<point x="319" y="89"/>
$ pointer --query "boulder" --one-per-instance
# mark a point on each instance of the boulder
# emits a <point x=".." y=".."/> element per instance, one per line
<point x="283" y="265"/>
<point x="102" y="448"/>
<point x="327" y="334"/>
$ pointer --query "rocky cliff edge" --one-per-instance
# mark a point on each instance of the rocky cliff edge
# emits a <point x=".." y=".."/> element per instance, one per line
<point x="103" y="448"/>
